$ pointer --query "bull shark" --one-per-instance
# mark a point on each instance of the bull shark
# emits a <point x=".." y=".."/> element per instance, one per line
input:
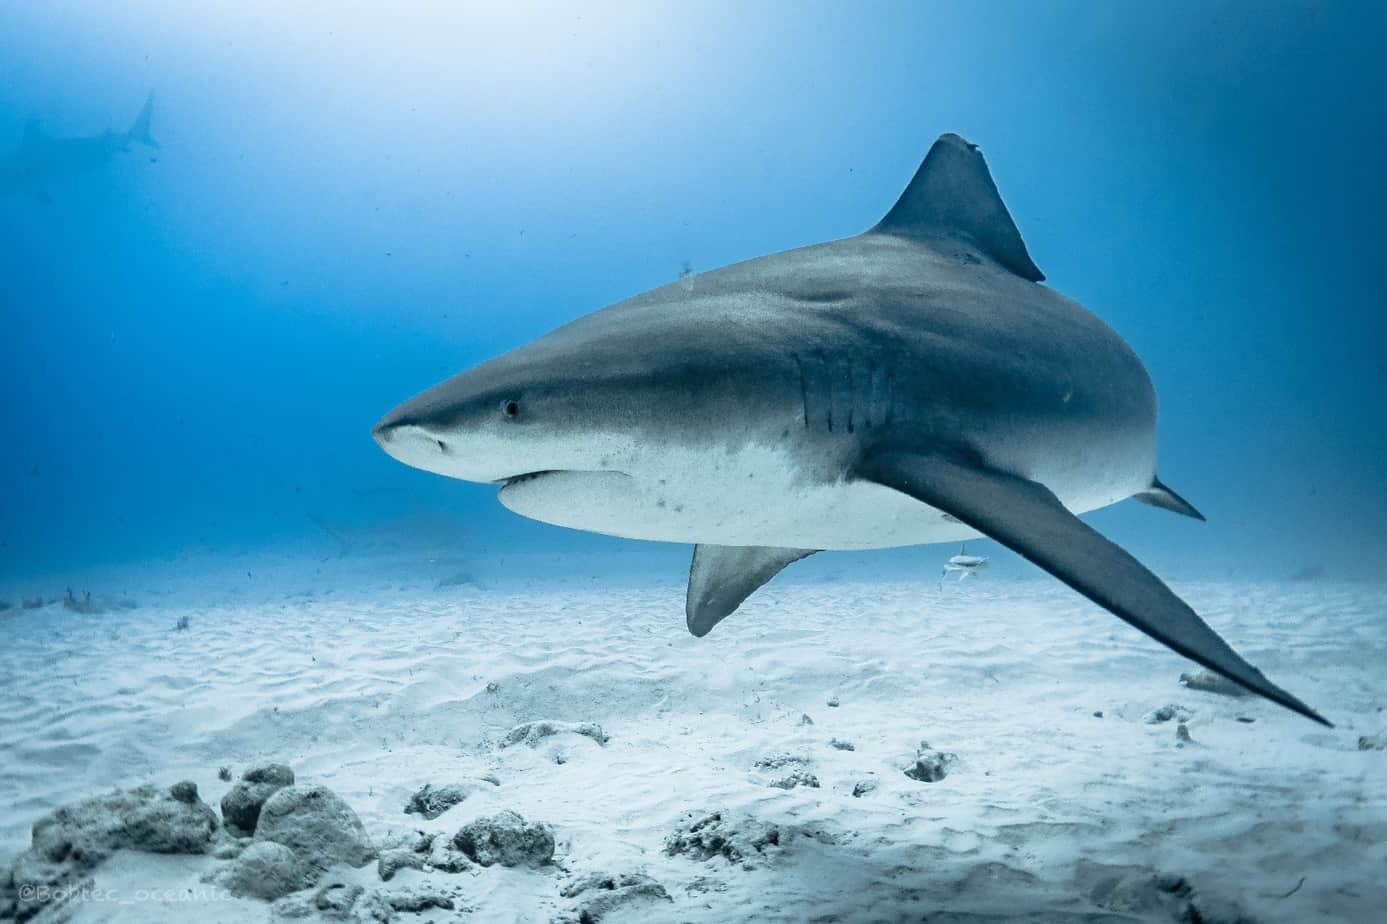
<point x="966" y="565"/>
<point x="916" y="383"/>
<point x="41" y="160"/>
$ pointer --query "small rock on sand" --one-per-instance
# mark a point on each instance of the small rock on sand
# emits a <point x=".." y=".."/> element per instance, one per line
<point x="230" y="848"/>
<point x="392" y="861"/>
<point x="1209" y="682"/>
<point x="419" y="899"/>
<point x="738" y="840"/>
<point x="432" y="801"/>
<point x="930" y="765"/>
<point x="444" y="856"/>
<point x="241" y="805"/>
<point x="339" y="899"/>
<point x="532" y="733"/>
<point x="799" y="774"/>
<point x="336" y="897"/>
<point x="1376" y="742"/>
<point x="797" y="778"/>
<point x="599" y="894"/>
<point x="315" y="823"/>
<point x="506" y="839"/>
<point x="264" y="870"/>
<point x="864" y="788"/>
<point x="1166" y="714"/>
<point x="838" y="744"/>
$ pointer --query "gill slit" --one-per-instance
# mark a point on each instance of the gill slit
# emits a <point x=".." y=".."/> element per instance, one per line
<point x="803" y="388"/>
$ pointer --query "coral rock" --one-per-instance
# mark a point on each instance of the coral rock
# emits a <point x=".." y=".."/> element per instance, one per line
<point x="242" y="804"/>
<point x="506" y="839"/>
<point x="315" y="823"/>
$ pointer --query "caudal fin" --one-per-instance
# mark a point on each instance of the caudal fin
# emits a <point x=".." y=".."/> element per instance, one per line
<point x="139" y="129"/>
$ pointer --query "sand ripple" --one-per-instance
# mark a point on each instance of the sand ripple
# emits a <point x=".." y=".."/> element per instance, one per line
<point x="375" y="694"/>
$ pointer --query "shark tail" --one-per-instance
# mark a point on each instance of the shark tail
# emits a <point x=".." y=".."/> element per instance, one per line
<point x="139" y="129"/>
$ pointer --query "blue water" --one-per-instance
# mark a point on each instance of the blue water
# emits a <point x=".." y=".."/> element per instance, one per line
<point x="349" y="206"/>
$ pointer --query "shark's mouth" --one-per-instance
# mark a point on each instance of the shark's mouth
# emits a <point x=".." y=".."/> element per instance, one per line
<point x="514" y="480"/>
<point x="520" y="479"/>
<point x="565" y="479"/>
<point x="600" y="501"/>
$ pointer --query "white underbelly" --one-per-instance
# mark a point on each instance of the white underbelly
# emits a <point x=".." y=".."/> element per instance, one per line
<point x="758" y="497"/>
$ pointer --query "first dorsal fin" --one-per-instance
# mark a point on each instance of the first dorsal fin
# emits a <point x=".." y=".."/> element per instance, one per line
<point x="952" y="195"/>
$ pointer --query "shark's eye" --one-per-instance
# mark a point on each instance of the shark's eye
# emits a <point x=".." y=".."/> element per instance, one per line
<point x="510" y="409"/>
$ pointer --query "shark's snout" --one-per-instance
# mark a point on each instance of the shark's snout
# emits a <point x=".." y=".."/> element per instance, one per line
<point x="410" y="439"/>
<point x="386" y="428"/>
<point x="394" y="427"/>
<point x="450" y="439"/>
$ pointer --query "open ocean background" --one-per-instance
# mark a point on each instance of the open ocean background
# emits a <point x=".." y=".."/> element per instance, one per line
<point x="352" y="202"/>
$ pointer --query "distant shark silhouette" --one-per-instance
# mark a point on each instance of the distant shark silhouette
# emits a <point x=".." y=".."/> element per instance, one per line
<point x="42" y="161"/>
<point x="966" y="565"/>
<point x="912" y="384"/>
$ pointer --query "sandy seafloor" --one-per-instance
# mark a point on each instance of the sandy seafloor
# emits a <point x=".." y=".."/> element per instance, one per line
<point x="374" y="683"/>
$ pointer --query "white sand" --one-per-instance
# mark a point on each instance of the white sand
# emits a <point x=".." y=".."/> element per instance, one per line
<point x="375" y="692"/>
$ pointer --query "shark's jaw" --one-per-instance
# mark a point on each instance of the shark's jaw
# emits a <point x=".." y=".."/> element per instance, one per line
<point x="527" y="476"/>
<point x="686" y="490"/>
<point x="752" y="497"/>
<point x="596" y="501"/>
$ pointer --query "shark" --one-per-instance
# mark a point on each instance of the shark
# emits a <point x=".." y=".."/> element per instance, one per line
<point x="41" y="161"/>
<point x="915" y="383"/>
<point x="966" y="565"/>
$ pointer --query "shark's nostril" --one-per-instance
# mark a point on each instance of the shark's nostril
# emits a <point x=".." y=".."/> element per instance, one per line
<point x="391" y="425"/>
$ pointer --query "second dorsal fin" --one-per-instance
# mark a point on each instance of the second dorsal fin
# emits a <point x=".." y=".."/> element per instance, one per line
<point x="952" y="195"/>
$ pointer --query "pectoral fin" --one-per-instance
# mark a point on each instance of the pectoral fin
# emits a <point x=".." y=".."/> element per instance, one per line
<point x="1028" y="519"/>
<point x="723" y="576"/>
